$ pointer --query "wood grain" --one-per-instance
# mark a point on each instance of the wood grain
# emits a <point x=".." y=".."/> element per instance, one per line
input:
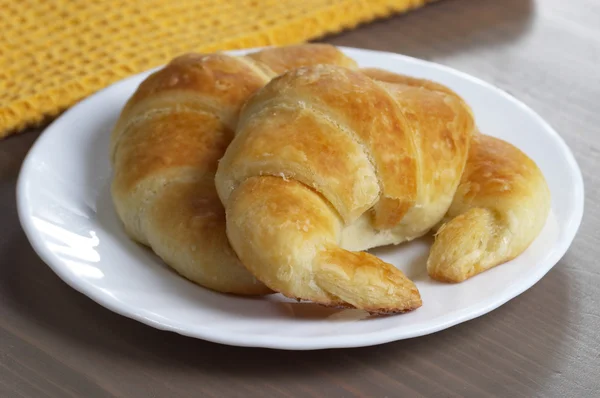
<point x="54" y="342"/>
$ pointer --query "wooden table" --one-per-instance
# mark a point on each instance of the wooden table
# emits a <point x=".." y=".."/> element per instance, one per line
<point x="54" y="342"/>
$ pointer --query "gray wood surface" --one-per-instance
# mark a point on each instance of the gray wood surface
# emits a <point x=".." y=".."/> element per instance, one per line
<point x="54" y="342"/>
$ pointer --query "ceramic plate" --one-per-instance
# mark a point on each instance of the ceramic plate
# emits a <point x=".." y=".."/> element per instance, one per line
<point x="67" y="213"/>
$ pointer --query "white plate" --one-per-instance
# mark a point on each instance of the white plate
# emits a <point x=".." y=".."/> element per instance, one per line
<point x="67" y="213"/>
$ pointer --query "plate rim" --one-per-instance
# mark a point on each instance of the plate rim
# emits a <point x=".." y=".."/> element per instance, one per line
<point x="572" y="224"/>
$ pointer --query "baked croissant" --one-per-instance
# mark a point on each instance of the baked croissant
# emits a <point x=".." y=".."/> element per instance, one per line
<point x="164" y="151"/>
<point x="500" y="207"/>
<point x="326" y="162"/>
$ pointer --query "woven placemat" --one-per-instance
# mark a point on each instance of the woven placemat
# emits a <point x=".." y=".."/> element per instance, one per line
<point x="54" y="53"/>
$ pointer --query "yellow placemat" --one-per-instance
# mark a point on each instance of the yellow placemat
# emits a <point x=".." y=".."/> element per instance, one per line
<point x="53" y="53"/>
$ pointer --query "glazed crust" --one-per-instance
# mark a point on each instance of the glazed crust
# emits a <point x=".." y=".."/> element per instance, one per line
<point x="440" y="125"/>
<point x="500" y="207"/>
<point x="328" y="161"/>
<point x="164" y="151"/>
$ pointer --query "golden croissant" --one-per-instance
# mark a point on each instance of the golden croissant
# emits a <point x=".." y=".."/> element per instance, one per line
<point x="164" y="151"/>
<point x="327" y="162"/>
<point x="499" y="208"/>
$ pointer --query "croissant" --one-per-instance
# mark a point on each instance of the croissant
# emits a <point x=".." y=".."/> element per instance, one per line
<point x="499" y="208"/>
<point x="164" y="152"/>
<point x="327" y="162"/>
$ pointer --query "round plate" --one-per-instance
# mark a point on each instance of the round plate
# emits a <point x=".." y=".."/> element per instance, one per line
<point x="66" y="211"/>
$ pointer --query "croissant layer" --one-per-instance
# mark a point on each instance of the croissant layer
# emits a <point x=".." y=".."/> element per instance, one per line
<point x="328" y="161"/>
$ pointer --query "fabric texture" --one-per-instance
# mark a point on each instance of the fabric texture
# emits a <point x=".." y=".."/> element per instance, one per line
<point x="55" y="52"/>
